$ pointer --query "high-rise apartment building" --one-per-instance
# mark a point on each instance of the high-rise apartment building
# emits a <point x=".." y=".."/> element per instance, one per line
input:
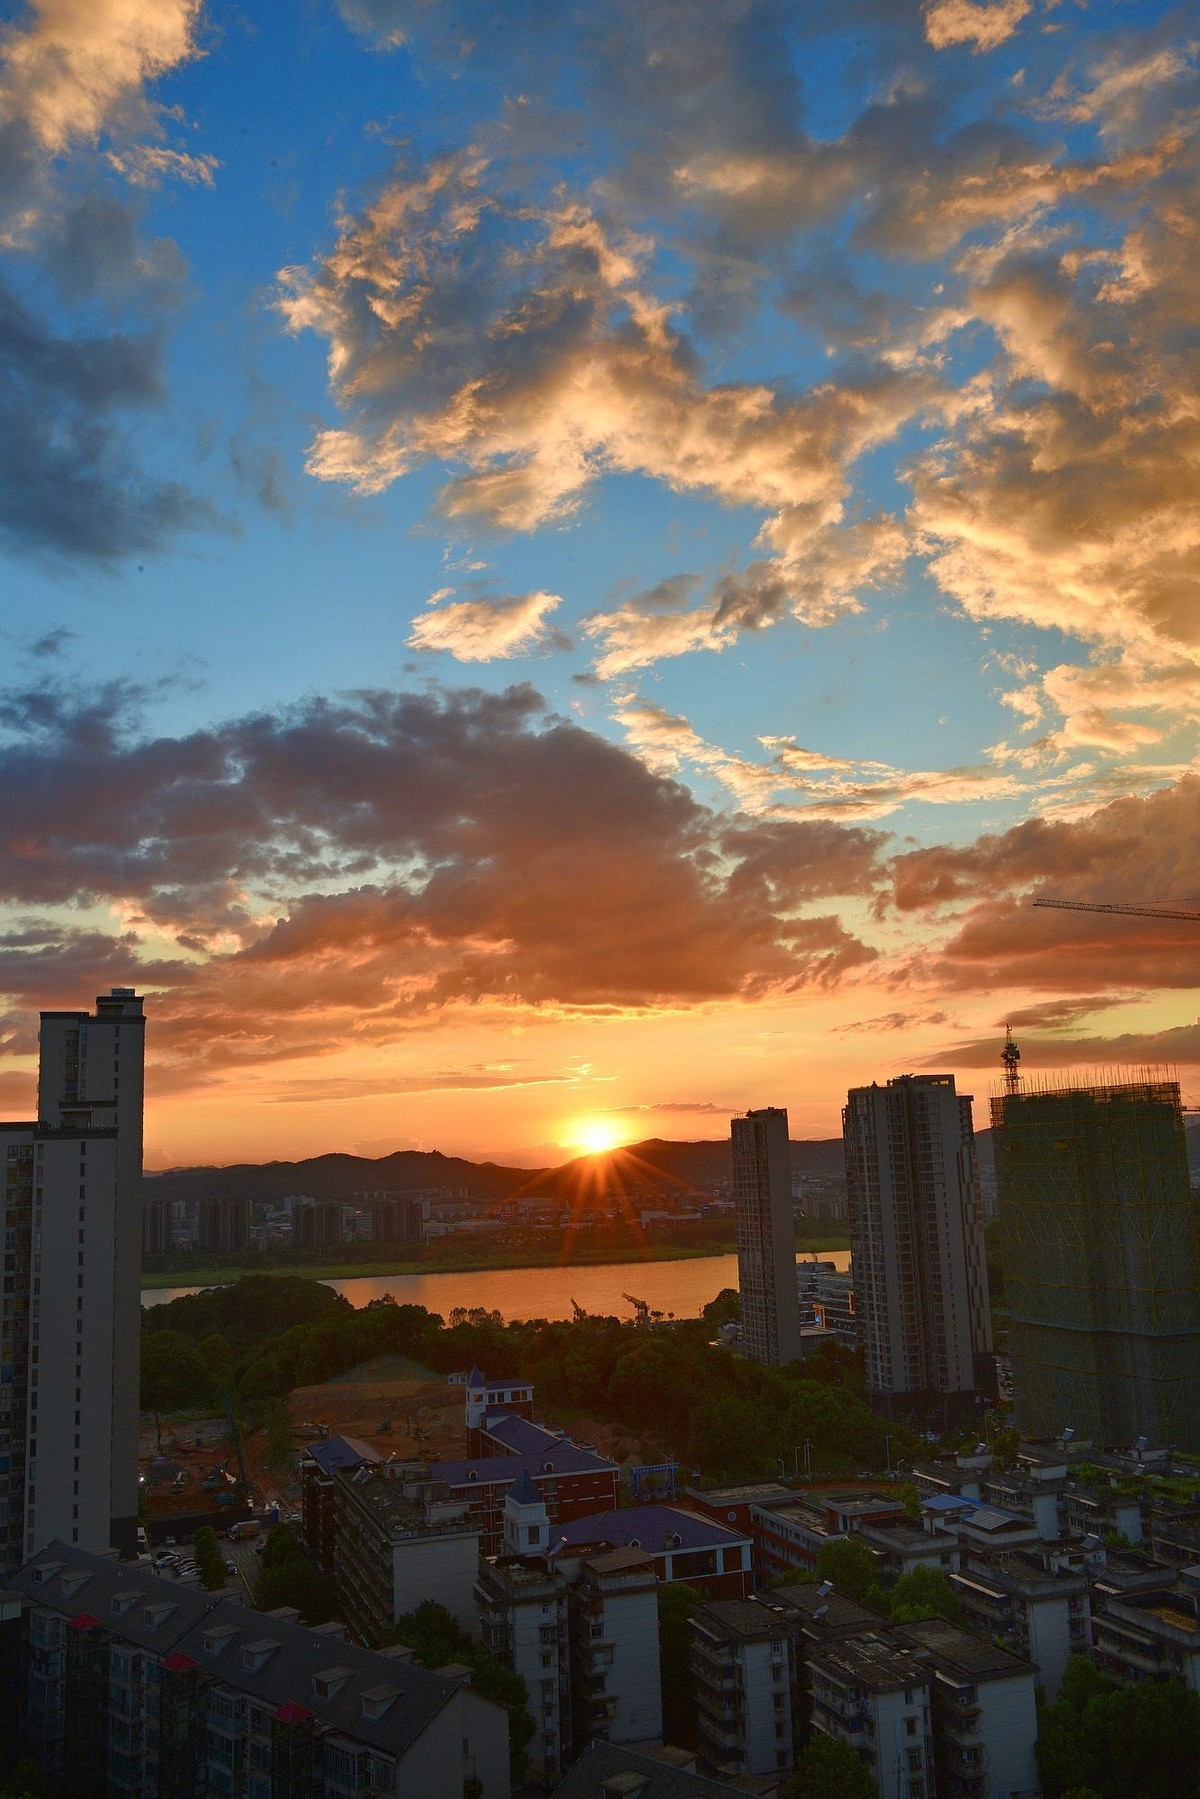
<point x="766" y="1235"/>
<point x="70" y="1318"/>
<point x="916" y="1231"/>
<point x="222" y="1224"/>
<point x="1101" y="1262"/>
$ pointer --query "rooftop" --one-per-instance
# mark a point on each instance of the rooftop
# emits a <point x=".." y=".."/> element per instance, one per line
<point x="653" y="1528"/>
<point x="342" y="1452"/>
<point x="598" y="1775"/>
<point x="875" y="1660"/>
<point x="217" y="1635"/>
<point x="959" y="1654"/>
<point x="745" y="1618"/>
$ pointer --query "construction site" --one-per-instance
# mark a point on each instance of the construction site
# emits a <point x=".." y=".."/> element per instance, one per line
<point x="1102" y="1262"/>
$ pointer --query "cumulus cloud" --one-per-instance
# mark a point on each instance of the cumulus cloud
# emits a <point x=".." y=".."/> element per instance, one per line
<point x="984" y="24"/>
<point x="338" y="871"/>
<point x="485" y="630"/>
<point x="72" y="74"/>
<point x="1136" y="850"/>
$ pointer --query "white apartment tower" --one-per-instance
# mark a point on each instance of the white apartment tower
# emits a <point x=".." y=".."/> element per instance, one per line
<point x="916" y="1230"/>
<point x="70" y="1318"/>
<point x="766" y="1235"/>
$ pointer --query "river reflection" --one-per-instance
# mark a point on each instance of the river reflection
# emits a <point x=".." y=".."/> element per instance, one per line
<point x="682" y="1288"/>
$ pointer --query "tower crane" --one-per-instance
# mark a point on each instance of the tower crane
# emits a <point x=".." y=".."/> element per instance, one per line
<point x="1180" y="912"/>
<point x="1010" y="1055"/>
<point x="640" y="1306"/>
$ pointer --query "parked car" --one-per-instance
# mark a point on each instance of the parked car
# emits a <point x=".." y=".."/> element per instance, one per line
<point x="166" y="1558"/>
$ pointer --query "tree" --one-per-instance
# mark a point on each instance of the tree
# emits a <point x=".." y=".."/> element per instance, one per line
<point x="288" y="1577"/>
<point x="436" y="1638"/>
<point x="925" y="1593"/>
<point x="174" y="1375"/>
<point x="677" y="1605"/>
<point x="828" y="1769"/>
<point x="1140" y="1742"/>
<point x="852" y="1568"/>
<point x="279" y="1439"/>
<point x="209" y="1559"/>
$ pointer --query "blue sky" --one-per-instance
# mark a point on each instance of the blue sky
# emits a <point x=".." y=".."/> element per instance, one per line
<point x="798" y="399"/>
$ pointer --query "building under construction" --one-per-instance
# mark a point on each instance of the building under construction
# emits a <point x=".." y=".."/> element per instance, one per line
<point x="1102" y="1261"/>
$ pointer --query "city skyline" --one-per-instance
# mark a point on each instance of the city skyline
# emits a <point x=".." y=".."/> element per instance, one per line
<point x="569" y="572"/>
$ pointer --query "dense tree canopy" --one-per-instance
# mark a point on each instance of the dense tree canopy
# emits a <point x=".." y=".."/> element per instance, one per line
<point x="828" y="1769"/>
<point x="1140" y="1742"/>
<point x="704" y="1407"/>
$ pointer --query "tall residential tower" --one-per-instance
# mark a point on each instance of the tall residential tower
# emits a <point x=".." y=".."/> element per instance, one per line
<point x="70" y="1317"/>
<point x="916" y="1231"/>
<point x="766" y="1235"/>
<point x="1101" y="1262"/>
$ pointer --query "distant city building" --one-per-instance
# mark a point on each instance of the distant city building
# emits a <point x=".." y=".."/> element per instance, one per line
<point x="827" y="1299"/>
<point x="139" y="1685"/>
<point x="766" y="1235"/>
<point x="317" y="1223"/>
<point x="70" y="1314"/>
<point x="1102" y="1266"/>
<point x="222" y="1224"/>
<point x="916" y="1230"/>
<point x="396" y="1217"/>
<point x="158" y="1223"/>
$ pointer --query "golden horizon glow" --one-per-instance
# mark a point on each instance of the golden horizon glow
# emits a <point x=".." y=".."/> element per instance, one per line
<point x="594" y="1136"/>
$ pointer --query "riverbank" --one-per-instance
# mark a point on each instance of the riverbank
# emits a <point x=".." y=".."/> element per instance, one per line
<point x="195" y="1273"/>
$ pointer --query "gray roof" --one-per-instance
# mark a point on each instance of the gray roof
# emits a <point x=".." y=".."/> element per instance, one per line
<point x="601" y="1762"/>
<point x="727" y="1618"/>
<point x="960" y="1654"/>
<point x="215" y="1632"/>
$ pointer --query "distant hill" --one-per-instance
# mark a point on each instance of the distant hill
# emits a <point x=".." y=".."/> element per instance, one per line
<point x="653" y="1165"/>
<point x="336" y="1177"/>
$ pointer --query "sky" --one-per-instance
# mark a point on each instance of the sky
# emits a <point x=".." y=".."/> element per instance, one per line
<point x="569" y="570"/>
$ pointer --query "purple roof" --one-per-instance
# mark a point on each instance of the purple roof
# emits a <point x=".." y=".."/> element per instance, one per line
<point x="502" y="1470"/>
<point x="342" y="1452"/>
<point x="523" y="1491"/>
<point x="648" y="1527"/>
<point x="519" y="1435"/>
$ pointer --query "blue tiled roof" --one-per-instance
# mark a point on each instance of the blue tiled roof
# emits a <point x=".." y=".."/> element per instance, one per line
<point x="502" y="1470"/>
<point x="523" y="1491"/>
<point x="650" y="1525"/>
<point x="948" y="1502"/>
<point x="476" y="1377"/>
<point x="519" y="1435"/>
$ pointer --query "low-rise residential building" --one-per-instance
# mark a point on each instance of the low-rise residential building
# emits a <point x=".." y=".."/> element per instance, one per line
<point x="871" y="1692"/>
<point x="788" y="1536"/>
<point x="523" y="1615"/>
<point x="1150" y="1635"/>
<point x="616" y="1686"/>
<point x="132" y="1684"/>
<point x="401" y="1538"/>
<point x="682" y="1545"/>
<point x="490" y="1401"/>
<point x="1035" y="1604"/>
<point x="609" y="1771"/>
<point x="902" y="1547"/>
<point x="743" y="1671"/>
<point x="983" y="1714"/>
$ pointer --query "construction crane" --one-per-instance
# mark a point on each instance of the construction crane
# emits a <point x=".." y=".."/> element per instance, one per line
<point x="578" y="1310"/>
<point x="1179" y="912"/>
<point x="640" y="1306"/>
<point x="1010" y="1055"/>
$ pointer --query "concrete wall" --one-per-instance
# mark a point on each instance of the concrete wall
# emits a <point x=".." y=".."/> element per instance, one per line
<point x="441" y="1568"/>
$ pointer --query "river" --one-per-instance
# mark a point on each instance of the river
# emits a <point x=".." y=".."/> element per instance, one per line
<point x="680" y="1289"/>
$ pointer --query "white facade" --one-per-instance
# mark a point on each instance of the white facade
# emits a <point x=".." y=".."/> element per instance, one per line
<point x="615" y="1676"/>
<point x="742" y="1668"/>
<point x="71" y="1316"/>
<point x="875" y="1697"/>
<point x="916" y="1228"/>
<point x="766" y="1235"/>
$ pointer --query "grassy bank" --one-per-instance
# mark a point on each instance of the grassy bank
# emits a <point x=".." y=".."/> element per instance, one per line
<point x="197" y="1273"/>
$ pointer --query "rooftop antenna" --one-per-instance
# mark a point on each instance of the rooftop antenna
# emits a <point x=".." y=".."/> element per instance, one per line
<point x="1010" y="1055"/>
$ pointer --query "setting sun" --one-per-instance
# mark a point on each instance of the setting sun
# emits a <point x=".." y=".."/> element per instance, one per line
<point x="592" y="1136"/>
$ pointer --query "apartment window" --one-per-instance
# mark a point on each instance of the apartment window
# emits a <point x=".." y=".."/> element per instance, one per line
<point x="914" y="1759"/>
<point x="910" y="1727"/>
<point x="81" y="1214"/>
